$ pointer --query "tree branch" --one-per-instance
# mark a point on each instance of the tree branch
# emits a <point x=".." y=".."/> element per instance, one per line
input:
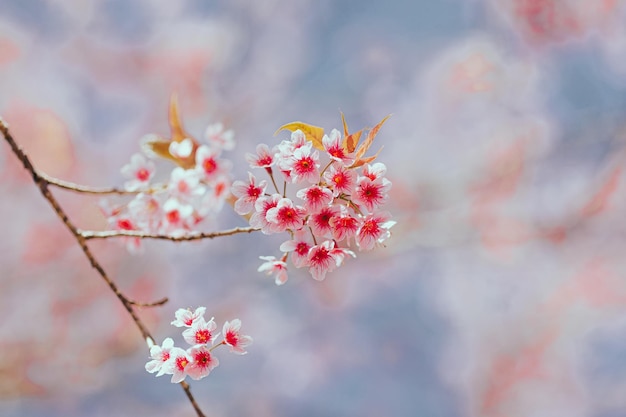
<point x="42" y="182"/>
<point x="106" y="234"/>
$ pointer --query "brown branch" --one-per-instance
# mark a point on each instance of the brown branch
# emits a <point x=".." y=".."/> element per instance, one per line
<point x="87" y="234"/>
<point x="42" y="182"/>
<point x="83" y="189"/>
<point x="152" y="304"/>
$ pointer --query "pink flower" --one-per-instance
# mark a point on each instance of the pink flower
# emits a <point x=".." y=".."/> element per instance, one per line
<point x="264" y="158"/>
<point x="371" y="194"/>
<point x="147" y="211"/>
<point x="177" y="217"/>
<point x="259" y="217"/>
<point x="286" y="215"/>
<point x="184" y="183"/>
<point x="200" y="332"/>
<point x="374" y="230"/>
<point x="186" y="317"/>
<point x="374" y="171"/>
<point x="341" y="179"/>
<point x="233" y="337"/>
<point x="160" y="355"/>
<point x="202" y="362"/>
<point x="334" y="147"/>
<point x="343" y="225"/>
<point x="299" y="247"/>
<point x="216" y="135"/>
<point x="177" y="364"/>
<point x="303" y="164"/>
<point x="208" y="164"/>
<point x="323" y="259"/>
<point x="315" y="197"/>
<point x="276" y="267"/>
<point x="247" y="194"/>
<point x="133" y="244"/>
<point x="320" y="221"/>
<point x="140" y="171"/>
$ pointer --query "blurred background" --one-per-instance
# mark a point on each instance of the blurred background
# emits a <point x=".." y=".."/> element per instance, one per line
<point x="502" y="292"/>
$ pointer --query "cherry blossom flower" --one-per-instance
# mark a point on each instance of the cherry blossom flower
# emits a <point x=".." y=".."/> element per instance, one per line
<point x="177" y="364"/>
<point x="185" y="317"/>
<point x="259" y="217"/>
<point x="343" y="225"/>
<point x="275" y="267"/>
<point x="233" y="337"/>
<point x="264" y="158"/>
<point x="333" y="145"/>
<point x="146" y="210"/>
<point x="371" y="194"/>
<point x="323" y="259"/>
<point x="200" y="332"/>
<point x="202" y="362"/>
<point x="298" y="247"/>
<point x="124" y="223"/>
<point x="160" y="355"/>
<point x="303" y="164"/>
<point x="374" y="171"/>
<point x="185" y="183"/>
<point x="374" y="230"/>
<point x="247" y="194"/>
<point x="216" y="135"/>
<point x="177" y="216"/>
<point x="208" y="164"/>
<point x="340" y="178"/>
<point x="315" y="197"/>
<point x="320" y="222"/>
<point x="286" y="215"/>
<point x="140" y="171"/>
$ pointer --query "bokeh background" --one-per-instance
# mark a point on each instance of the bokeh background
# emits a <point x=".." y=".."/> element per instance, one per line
<point x="502" y="292"/>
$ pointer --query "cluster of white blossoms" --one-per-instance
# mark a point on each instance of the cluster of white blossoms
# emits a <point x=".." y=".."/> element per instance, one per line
<point x="197" y="186"/>
<point x="336" y="207"/>
<point x="197" y="361"/>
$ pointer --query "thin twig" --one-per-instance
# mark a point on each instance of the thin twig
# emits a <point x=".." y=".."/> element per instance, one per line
<point x="41" y="181"/>
<point x="152" y="304"/>
<point x="83" y="189"/>
<point x="106" y="234"/>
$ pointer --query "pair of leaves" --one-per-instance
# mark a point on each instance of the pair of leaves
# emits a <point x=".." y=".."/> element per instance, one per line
<point x="314" y="134"/>
<point x="161" y="146"/>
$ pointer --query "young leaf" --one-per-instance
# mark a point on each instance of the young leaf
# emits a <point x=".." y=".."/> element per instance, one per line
<point x="370" y="138"/>
<point x="161" y="146"/>
<point x="314" y="134"/>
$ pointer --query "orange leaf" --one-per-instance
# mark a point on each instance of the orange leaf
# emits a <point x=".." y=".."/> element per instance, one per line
<point x="370" y="139"/>
<point x="176" y="125"/>
<point x="365" y="160"/>
<point x="345" y="126"/>
<point x="314" y="134"/>
<point x="350" y="141"/>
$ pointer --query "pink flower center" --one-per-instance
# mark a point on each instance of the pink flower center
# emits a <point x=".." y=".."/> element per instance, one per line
<point x="181" y="363"/>
<point x="173" y="216"/>
<point x="209" y="165"/>
<point x="232" y="338"/>
<point x="165" y="356"/>
<point x="265" y="160"/>
<point x="203" y="336"/>
<point x="302" y="248"/>
<point x="143" y="175"/>
<point x="254" y="191"/>
<point x="124" y="224"/>
<point x="202" y="358"/>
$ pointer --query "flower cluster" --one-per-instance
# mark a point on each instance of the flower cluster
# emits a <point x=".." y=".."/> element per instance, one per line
<point x="198" y="360"/>
<point x="337" y="204"/>
<point x="196" y="187"/>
